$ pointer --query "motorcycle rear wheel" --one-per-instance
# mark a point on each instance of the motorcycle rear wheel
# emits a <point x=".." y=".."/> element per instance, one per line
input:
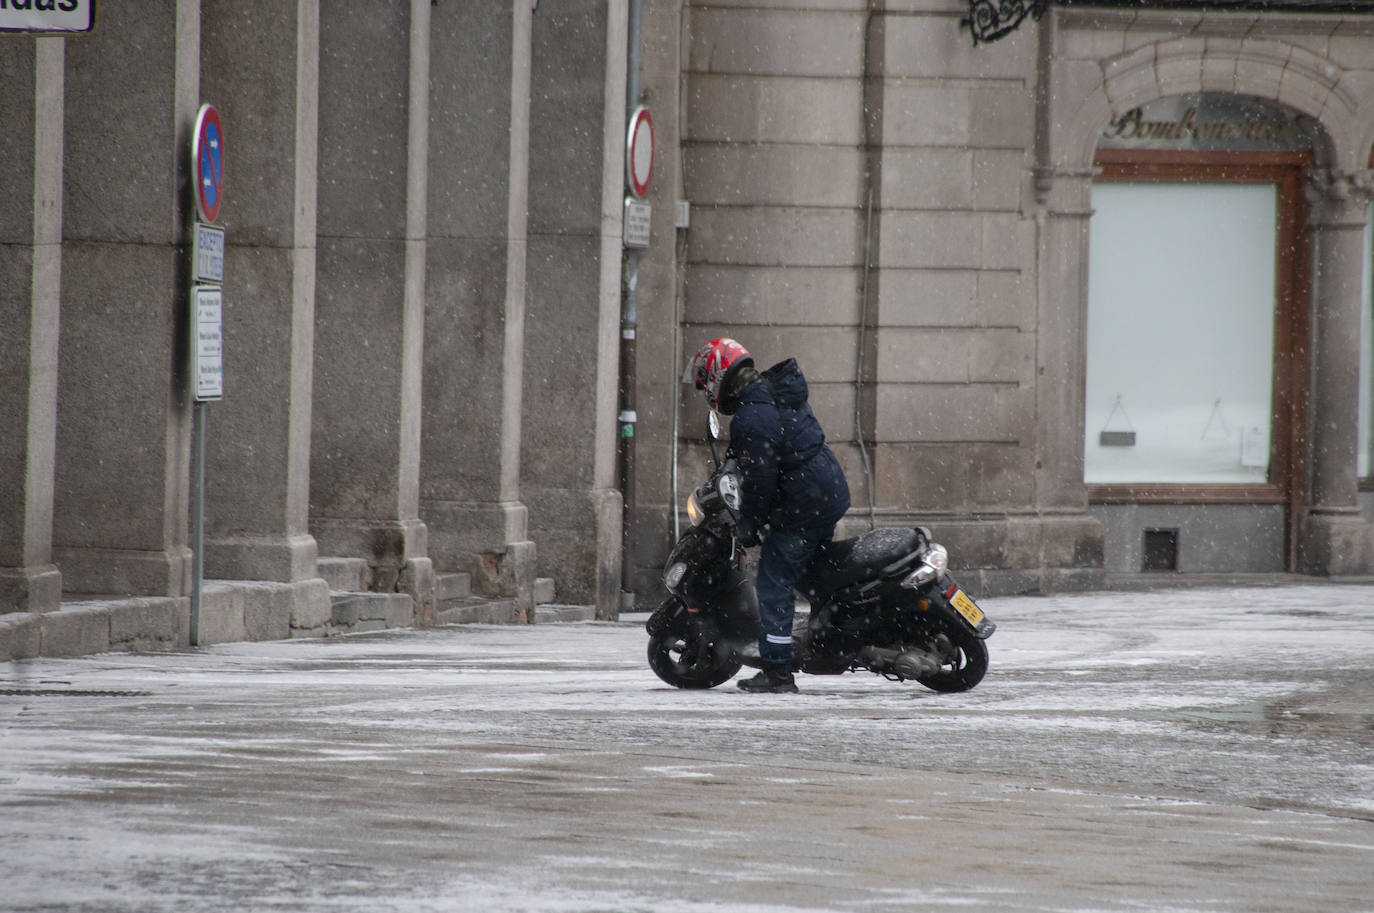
<point x="678" y="661"/>
<point x="963" y="662"/>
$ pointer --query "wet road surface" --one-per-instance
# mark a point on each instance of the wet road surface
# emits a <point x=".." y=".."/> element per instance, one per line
<point x="1188" y="750"/>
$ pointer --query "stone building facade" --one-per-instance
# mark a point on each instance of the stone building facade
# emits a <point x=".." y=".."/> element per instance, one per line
<point x="425" y="276"/>
<point x="909" y="212"/>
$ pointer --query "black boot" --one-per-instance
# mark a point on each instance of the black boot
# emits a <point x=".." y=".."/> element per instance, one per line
<point x="769" y="682"/>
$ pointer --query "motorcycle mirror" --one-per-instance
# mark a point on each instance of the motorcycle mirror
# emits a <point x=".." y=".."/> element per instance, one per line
<point x="713" y="434"/>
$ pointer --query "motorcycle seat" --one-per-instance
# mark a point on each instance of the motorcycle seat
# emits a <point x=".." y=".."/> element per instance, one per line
<point x="844" y="562"/>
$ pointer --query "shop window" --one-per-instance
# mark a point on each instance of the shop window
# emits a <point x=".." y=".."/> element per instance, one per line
<point x="1197" y="335"/>
<point x="1180" y="348"/>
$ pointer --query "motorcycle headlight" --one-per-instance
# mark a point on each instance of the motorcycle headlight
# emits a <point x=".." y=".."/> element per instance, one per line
<point x="694" y="511"/>
<point x="673" y="576"/>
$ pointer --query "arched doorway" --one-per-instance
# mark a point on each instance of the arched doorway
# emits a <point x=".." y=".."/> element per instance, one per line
<point x="1198" y="308"/>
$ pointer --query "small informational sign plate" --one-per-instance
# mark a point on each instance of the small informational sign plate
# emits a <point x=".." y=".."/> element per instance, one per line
<point x="207" y="343"/>
<point x="207" y="162"/>
<point x="51" y="16"/>
<point x="209" y="253"/>
<point x="637" y="218"/>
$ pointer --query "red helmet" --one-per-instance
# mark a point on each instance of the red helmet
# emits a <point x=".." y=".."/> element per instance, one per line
<point x="708" y="367"/>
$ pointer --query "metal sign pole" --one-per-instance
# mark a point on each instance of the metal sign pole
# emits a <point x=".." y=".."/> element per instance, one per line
<point x="197" y="515"/>
<point x="207" y="325"/>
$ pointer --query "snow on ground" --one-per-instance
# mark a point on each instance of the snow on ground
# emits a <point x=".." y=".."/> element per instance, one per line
<point x="1237" y="698"/>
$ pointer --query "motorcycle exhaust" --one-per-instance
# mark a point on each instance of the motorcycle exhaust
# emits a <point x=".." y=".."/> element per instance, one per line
<point x="906" y="664"/>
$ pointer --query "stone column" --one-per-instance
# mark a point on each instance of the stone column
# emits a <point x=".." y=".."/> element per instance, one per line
<point x="658" y="384"/>
<point x="1334" y="539"/>
<point x="124" y="413"/>
<point x="1070" y="540"/>
<point x="577" y="140"/>
<point x="1060" y="355"/>
<point x="260" y="68"/>
<point x="475" y="308"/>
<point x="30" y="298"/>
<point x="370" y="262"/>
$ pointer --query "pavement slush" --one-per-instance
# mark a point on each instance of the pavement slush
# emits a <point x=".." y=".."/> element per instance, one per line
<point x="545" y="769"/>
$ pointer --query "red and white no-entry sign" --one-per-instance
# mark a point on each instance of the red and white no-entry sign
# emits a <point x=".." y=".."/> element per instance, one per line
<point x="639" y="151"/>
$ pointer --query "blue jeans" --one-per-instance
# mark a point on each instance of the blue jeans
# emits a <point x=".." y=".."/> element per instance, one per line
<point x="783" y="560"/>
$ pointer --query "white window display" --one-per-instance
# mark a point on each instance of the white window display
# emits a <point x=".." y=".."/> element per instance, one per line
<point x="1180" y="348"/>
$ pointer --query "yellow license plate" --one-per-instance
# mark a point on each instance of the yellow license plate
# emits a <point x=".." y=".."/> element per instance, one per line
<point x="965" y="607"/>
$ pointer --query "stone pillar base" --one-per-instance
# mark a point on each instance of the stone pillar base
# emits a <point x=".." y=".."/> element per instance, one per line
<point x="417" y="582"/>
<point x="460" y="530"/>
<point x="578" y="534"/>
<point x="279" y="559"/>
<point x="1056" y="543"/>
<point x="1335" y="543"/>
<point x="125" y="572"/>
<point x="387" y="546"/>
<point x="489" y="541"/>
<point x="508" y="574"/>
<point x="30" y="589"/>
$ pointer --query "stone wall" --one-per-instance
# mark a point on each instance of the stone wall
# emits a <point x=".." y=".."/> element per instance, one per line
<point x="423" y="285"/>
<point x="395" y="360"/>
<point x="907" y="214"/>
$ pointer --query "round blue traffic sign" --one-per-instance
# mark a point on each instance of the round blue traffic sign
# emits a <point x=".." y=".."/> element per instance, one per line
<point x="207" y="156"/>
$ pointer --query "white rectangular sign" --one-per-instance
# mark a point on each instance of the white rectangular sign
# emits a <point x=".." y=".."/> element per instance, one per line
<point x="209" y="259"/>
<point x="637" y="218"/>
<point x="207" y="343"/>
<point x="47" y="15"/>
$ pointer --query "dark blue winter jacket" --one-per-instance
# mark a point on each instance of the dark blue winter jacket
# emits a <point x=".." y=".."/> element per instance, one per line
<point x="791" y="479"/>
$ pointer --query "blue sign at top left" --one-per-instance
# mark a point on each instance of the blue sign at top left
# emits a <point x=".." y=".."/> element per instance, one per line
<point x="207" y="157"/>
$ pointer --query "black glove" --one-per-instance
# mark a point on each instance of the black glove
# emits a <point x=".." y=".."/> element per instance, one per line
<point x="747" y="533"/>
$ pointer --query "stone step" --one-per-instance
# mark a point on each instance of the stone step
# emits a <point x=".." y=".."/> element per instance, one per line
<point x="451" y="586"/>
<point x="475" y="610"/>
<point x="354" y="611"/>
<point x="346" y="575"/>
<point x="550" y="613"/>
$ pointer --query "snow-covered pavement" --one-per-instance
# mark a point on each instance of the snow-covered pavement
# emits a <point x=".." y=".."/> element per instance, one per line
<point x="1173" y="750"/>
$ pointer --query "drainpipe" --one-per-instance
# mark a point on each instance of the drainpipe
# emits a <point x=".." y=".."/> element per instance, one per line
<point x="629" y="319"/>
<point x="872" y="112"/>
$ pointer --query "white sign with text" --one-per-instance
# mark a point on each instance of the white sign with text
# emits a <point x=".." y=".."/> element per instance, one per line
<point x="47" y="15"/>
<point x="207" y="343"/>
<point x="209" y="258"/>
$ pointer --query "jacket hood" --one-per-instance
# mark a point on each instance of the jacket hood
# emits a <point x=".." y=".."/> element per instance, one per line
<point x="788" y="383"/>
<point x="791" y="479"/>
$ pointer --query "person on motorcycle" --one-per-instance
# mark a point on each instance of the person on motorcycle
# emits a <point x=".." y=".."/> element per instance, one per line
<point x="794" y="491"/>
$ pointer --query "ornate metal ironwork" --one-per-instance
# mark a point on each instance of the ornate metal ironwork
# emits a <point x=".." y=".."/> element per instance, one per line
<point x="993" y="19"/>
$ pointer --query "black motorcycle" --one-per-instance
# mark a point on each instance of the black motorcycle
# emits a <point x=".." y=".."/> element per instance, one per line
<point x="884" y="602"/>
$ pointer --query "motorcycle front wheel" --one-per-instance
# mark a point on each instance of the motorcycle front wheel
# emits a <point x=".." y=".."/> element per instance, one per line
<point x="963" y="661"/>
<point x="690" y="661"/>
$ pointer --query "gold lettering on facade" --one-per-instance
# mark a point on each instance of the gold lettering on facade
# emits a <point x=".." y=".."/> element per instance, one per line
<point x="1133" y="126"/>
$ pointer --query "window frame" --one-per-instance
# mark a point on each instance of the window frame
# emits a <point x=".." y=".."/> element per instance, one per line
<point x="1288" y="171"/>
